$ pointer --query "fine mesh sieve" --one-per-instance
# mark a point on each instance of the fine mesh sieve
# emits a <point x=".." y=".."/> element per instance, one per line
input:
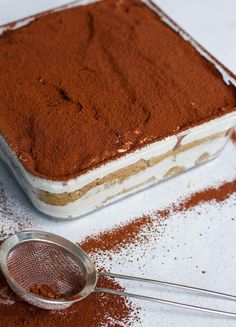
<point x="46" y="264"/>
<point x="38" y="258"/>
<point x="31" y="259"/>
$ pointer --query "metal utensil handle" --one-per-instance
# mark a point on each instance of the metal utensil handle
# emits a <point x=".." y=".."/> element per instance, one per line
<point x="177" y="304"/>
<point x="174" y="285"/>
<point x="163" y="301"/>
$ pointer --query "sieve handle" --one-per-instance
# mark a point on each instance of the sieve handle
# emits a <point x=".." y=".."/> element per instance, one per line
<point x="163" y="301"/>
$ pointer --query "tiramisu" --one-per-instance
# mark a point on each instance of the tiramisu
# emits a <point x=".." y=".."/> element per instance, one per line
<point x="100" y="100"/>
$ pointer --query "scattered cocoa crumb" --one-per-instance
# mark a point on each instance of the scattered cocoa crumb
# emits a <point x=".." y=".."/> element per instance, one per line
<point x="46" y="291"/>
<point x="11" y="220"/>
<point x="233" y="136"/>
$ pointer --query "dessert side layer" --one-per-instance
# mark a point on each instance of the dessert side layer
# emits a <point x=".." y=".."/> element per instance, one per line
<point x="128" y="174"/>
<point x="122" y="174"/>
<point x="86" y="85"/>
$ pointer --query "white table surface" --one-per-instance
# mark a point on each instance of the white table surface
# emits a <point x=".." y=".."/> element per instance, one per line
<point x="202" y="239"/>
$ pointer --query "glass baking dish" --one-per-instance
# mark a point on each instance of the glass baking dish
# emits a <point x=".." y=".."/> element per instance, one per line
<point x="132" y="172"/>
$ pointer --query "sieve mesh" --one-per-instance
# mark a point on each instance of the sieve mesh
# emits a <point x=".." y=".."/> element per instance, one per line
<point x="43" y="263"/>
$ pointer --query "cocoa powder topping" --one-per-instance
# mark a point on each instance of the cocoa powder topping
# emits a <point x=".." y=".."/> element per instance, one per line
<point x="86" y="85"/>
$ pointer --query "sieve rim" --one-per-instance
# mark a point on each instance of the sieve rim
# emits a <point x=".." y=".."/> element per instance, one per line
<point x="13" y="241"/>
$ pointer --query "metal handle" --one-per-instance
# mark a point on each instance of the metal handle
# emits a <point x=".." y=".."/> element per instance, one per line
<point x="163" y="301"/>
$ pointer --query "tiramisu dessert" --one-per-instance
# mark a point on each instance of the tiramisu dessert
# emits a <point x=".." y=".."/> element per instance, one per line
<point x="99" y="101"/>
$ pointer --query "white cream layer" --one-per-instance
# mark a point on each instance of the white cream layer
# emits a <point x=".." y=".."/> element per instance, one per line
<point x="105" y="194"/>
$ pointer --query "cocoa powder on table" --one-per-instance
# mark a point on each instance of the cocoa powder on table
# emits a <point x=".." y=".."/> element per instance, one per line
<point x="218" y="194"/>
<point x="12" y="220"/>
<point x="116" y="238"/>
<point x="233" y="136"/>
<point x="103" y="309"/>
<point x="131" y="233"/>
<point x="96" y="310"/>
<point x="86" y="85"/>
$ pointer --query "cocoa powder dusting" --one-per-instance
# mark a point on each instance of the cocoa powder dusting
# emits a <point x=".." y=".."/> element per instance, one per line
<point x="103" y="309"/>
<point x="11" y="220"/>
<point x="95" y="310"/>
<point x="217" y="194"/>
<point x="130" y="233"/>
<point x="86" y="85"/>
<point x="116" y="238"/>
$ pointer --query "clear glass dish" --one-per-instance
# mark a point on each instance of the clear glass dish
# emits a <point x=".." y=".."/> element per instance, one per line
<point x="133" y="172"/>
